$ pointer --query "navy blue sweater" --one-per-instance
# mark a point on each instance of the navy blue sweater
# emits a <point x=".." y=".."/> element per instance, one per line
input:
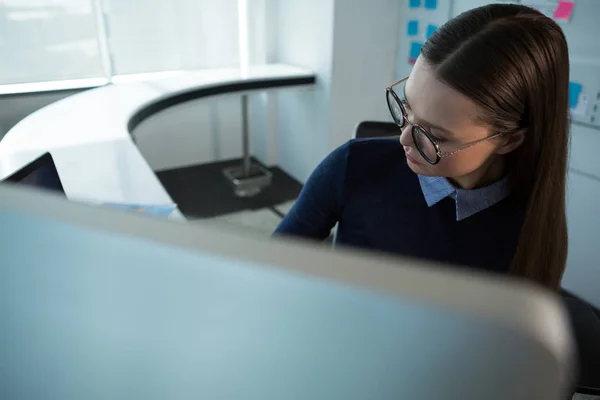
<point x="368" y="189"/>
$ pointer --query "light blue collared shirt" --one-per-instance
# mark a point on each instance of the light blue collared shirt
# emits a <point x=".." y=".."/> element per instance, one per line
<point x="468" y="202"/>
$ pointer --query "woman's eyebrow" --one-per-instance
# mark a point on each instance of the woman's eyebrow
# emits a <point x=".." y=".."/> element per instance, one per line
<point x="432" y="126"/>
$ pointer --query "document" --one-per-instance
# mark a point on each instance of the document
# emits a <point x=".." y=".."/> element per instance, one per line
<point x="159" y="210"/>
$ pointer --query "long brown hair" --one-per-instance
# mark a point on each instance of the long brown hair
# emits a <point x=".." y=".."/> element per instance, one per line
<point x="513" y="62"/>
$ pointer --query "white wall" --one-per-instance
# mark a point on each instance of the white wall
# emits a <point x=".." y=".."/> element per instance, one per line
<point x="351" y="45"/>
<point x="364" y="63"/>
<point x="262" y="36"/>
<point x="304" y="38"/>
<point x="582" y="275"/>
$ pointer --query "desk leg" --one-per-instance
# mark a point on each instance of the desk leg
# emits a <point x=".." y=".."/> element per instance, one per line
<point x="245" y="137"/>
<point x="250" y="178"/>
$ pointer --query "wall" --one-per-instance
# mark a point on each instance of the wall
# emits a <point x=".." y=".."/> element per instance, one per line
<point x="364" y="63"/>
<point x="351" y="45"/>
<point x="304" y="38"/>
<point x="582" y="275"/>
<point x="262" y="37"/>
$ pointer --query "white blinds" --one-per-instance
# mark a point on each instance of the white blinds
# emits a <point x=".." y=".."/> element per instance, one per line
<point x="52" y="40"/>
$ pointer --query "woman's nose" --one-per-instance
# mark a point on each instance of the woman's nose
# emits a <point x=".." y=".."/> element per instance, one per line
<point x="405" y="137"/>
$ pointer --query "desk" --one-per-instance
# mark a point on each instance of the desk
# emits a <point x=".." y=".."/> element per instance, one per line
<point x="89" y="134"/>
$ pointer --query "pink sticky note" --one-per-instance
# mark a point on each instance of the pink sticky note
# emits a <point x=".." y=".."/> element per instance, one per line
<point x="412" y="61"/>
<point x="563" y="10"/>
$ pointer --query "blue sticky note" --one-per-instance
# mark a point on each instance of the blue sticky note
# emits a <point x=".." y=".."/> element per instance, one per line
<point x="431" y="4"/>
<point x="415" y="49"/>
<point x="574" y="91"/>
<point x="413" y="28"/>
<point x="430" y="30"/>
<point x="415" y="3"/>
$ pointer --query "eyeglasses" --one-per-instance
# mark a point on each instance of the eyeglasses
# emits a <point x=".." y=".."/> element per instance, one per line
<point x="427" y="145"/>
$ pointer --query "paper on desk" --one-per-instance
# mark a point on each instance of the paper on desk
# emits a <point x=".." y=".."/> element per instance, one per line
<point x="159" y="210"/>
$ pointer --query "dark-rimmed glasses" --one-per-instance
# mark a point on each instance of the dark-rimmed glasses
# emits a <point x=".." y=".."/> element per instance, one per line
<point x="427" y="145"/>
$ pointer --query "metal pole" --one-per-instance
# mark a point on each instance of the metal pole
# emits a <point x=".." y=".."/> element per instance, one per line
<point x="245" y="136"/>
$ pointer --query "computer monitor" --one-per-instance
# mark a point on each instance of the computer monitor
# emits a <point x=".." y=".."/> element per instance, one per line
<point x="97" y="304"/>
<point x="41" y="173"/>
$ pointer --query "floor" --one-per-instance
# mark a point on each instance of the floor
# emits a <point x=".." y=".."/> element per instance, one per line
<point x="204" y="196"/>
<point x="261" y="222"/>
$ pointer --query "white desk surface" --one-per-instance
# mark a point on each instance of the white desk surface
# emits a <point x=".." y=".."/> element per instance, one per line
<point x="88" y="137"/>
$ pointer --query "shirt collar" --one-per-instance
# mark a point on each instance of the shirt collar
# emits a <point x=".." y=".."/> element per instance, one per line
<point x="468" y="202"/>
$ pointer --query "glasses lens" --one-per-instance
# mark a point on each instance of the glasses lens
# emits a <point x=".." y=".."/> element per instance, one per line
<point x="425" y="146"/>
<point x="396" y="109"/>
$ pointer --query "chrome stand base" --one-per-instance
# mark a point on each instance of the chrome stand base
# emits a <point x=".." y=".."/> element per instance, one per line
<point x="249" y="178"/>
<point x="248" y="184"/>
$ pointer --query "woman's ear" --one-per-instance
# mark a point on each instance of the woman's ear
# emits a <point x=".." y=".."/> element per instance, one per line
<point x="511" y="141"/>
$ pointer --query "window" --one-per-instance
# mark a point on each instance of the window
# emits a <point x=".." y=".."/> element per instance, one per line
<point x="48" y="40"/>
<point x="56" y="40"/>
<point x="158" y="35"/>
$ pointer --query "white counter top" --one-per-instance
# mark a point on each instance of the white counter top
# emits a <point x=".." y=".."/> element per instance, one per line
<point x="88" y="136"/>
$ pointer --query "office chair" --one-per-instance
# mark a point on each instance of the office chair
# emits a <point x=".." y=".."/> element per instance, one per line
<point x="374" y="129"/>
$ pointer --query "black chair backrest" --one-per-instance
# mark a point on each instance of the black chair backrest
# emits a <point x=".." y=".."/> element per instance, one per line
<point x="373" y="129"/>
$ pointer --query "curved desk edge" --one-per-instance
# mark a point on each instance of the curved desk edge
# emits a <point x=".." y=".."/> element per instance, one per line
<point x="171" y="100"/>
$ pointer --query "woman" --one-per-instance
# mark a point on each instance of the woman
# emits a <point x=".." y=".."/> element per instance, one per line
<point x="478" y="175"/>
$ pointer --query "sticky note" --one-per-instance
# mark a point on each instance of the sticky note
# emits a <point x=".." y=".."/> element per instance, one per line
<point x="413" y="28"/>
<point x="415" y="49"/>
<point x="415" y="3"/>
<point x="582" y="106"/>
<point x="574" y="91"/>
<point x="563" y="10"/>
<point x="431" y="4"/>
<point x="430" y="30"/>
<point x="412" y="61"/>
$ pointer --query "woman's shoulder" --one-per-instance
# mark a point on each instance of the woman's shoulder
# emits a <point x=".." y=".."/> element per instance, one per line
<point x="374" y="155"/>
